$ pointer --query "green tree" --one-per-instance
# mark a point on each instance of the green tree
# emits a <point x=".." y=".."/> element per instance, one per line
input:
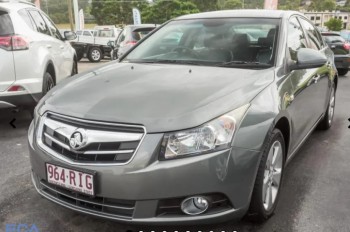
<point x="57" y="10"/>
<point x="322" y="5"/>
<point x="233" y="4"/>
<point x="114" y="11"/>
<point x="206" y="5"/>
<point x="289" y="4"/>
<point x="254" y="4"/>
<point x="334" y="24"/>
<point x="161" y="11"/>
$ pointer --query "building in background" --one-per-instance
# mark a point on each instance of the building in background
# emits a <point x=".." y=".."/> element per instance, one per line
<point x="320" y="18"/>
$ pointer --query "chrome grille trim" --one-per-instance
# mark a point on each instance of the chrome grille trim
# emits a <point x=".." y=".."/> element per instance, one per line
<point x="57" y="141"/>
<point x="65" y="146"/>
<point x="106" y="136"/>
<point x="93" y="135"/>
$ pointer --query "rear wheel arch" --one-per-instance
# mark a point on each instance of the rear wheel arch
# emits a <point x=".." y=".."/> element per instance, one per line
<point x="50" y="68"/>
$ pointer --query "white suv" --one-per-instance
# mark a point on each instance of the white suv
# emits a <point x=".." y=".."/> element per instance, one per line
<point x="34" y="56"/>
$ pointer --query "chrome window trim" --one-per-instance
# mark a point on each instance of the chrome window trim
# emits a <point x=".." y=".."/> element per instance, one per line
<point x="49" y="151"/>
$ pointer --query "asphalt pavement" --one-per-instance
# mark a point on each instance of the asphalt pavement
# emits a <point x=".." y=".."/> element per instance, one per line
<point x="315" y="194"/>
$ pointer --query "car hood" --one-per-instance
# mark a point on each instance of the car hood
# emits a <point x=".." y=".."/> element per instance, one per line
<point x="161" y="97"/>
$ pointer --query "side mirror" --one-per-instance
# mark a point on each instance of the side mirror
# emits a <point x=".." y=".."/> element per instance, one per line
<point x="308" y="58"/>
<point x="70" y="35"/>
<point x="110" y="43"/>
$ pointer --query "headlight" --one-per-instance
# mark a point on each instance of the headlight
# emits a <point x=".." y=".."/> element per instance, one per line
<point x="214" y="135"/>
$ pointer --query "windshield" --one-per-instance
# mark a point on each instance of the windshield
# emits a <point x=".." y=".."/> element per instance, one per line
<point x="138" y="35"/>
<point x="216" y="42"/>
<point x="104" y="33"/>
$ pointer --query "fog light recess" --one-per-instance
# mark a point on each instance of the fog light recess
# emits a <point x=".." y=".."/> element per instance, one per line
<point x="195" y="205"/>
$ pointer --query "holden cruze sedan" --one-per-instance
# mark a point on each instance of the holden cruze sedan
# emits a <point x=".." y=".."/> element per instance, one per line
<point x="195" y="124"/>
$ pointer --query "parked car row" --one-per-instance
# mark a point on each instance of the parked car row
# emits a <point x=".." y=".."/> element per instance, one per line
<point x="108" y="41"/>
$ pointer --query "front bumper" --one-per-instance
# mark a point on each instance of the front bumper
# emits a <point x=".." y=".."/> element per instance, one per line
<point x="140" y="187"/>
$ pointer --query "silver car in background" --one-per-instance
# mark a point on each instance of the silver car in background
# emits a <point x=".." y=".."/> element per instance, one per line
<point x="34" y="55"/>
<point x="195" y="124"/>
<point x="129" y="37"/>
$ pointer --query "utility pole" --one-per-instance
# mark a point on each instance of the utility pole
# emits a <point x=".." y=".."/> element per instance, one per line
<point x="70" y="14"/>
<point x="76" y="15"/>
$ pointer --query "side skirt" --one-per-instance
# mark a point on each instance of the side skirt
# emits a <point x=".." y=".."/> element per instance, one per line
<point x="291" y="156"/>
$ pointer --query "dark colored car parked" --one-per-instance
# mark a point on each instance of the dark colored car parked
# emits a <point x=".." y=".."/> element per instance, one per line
<point x="341" y="50"/>
<point x="195" y="124"/>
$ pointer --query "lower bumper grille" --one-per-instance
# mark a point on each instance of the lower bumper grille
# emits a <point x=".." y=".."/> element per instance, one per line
<point x="99" y="205"/>
<point x="172" y="207"/>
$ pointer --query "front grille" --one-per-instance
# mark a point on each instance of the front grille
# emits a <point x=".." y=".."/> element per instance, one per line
<point x="103" y="142"/>
<point x="103" y="206"/>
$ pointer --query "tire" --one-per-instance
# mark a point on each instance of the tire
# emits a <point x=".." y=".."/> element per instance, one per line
<point x="269" y="179"/>
<point x="327" y="120"/>
<point x="342" y="71"/>
<point x="95" y="54"/>
<point x="48" y="83"/>
<point x="74" y="68"/>
<point x="79" y="57"/>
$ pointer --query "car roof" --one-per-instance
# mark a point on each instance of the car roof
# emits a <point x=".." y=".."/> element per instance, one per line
<point x="15" y="6"/>
<point x="330" y="33"/>
<point x="241" y="14"/>
<point x="142" y="25"/>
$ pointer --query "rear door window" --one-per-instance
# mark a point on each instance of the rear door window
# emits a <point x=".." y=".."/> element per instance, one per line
<point x="40" y="23"/>
<point x="54" y="31"/>
<point x="24" y="15"/>
<point x="121" y="37"/>
<point x="6" y="27"/>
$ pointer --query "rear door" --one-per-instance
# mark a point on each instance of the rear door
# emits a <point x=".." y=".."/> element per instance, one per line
<point x="303" y="96"/>
<point x="7" y="67"/>
<point x="63" y="54"/>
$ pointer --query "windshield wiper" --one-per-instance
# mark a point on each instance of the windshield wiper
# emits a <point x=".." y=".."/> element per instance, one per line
<point x="243" y="63"/>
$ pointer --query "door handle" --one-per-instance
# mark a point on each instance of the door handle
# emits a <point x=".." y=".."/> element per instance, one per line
<point x="48" y="46"/>
<point x="316" y="78"/>
<point x="62" y="47"/>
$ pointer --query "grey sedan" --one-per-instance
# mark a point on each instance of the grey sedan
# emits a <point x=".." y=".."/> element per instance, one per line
<point x="195" y="124"/>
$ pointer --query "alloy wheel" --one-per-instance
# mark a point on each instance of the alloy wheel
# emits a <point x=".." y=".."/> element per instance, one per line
<point x="272" y="175"/>
<point x="95" y="55"/>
